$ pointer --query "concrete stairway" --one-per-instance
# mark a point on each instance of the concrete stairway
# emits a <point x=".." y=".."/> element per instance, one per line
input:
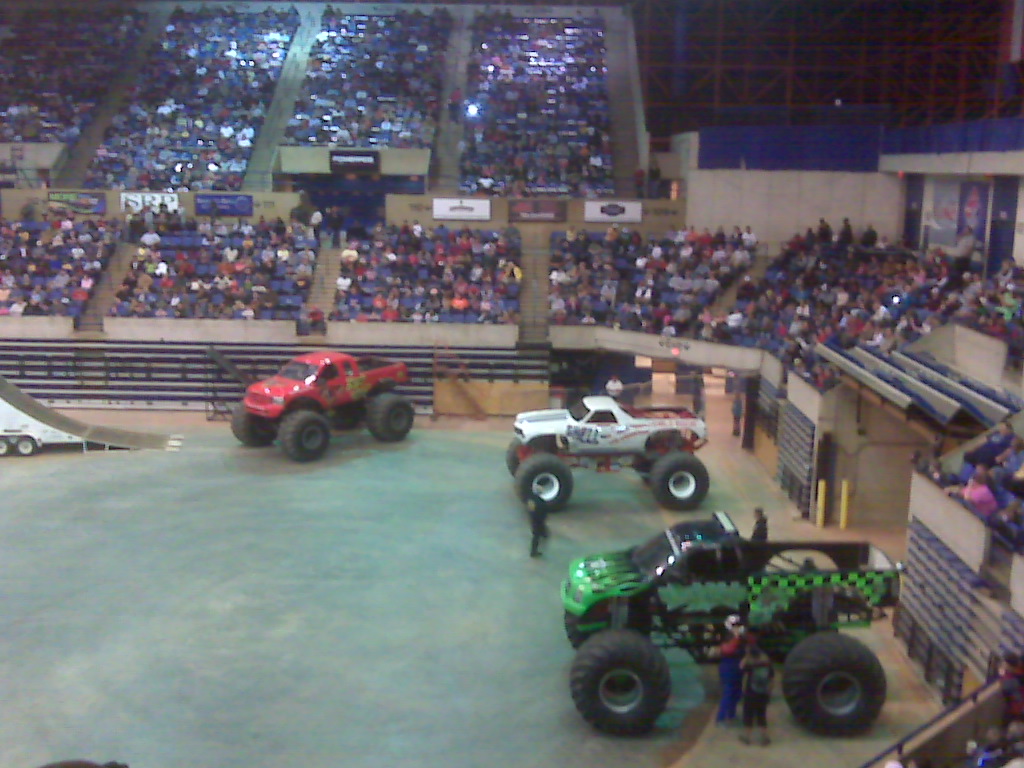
<point x="328" y="267"/>
<point x="626" y="98"/>
<point x="447" y="147"/>
<point x="72" y="173"/>
<point x="533" y="297"/>
<point x="727" y="298"/>
<point x="259" y="176"/>
<point x="102" y="299"/>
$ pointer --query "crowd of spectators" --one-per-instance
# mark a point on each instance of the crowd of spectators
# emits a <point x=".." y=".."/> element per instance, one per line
<point x="193" y="115"/>
<point x="835" y="289"/>
<point x="52" y="268"/>
<point x="418" y="274"/>
<point x="216" y="270"/>
<point x="537" y="116"/>
<point x="373" y="81"/>
<point x="658" y="285"/>
<point x="55" y="67"/>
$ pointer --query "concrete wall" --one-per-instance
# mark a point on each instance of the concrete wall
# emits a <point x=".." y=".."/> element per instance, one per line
<point x="956" y="163"/>
<point x="283" y="332"/>
<point x="657" y="347"/>
<point x="980" y="356"/>
<point x="267" y="204"/>
<point x="393" y="162"/>
<point x="34" y="156"/>
<point x="959" y="529"/>
<point x="772" y="370"/>
<point x="778" y="203"/>
<point x="873" y="449"/>
<point x="36" y="327"/>
<point x="659" y="216"/>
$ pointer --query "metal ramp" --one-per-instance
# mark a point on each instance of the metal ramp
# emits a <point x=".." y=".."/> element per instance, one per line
<point x="104" y="436"/>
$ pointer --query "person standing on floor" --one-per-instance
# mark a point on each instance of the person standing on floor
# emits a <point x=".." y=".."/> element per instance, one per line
<point x="538" y="524"/>
<point x="760" y="530"/>
<point x="730" y="675"/>
<point x="758" y="676"/>
<point x="737" y="414"/>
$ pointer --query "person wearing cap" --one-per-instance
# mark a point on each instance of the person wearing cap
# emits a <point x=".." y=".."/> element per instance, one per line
<point x="730" y="675"/>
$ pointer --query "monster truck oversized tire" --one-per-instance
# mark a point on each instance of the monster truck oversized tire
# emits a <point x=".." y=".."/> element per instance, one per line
<point x="512" y="457"/>
<point x="251" y="430"/>
<point x="304" y="435"/>
<point x="834" y="685"/>
<point x="389" y="417"/>
<point x="546" y="479"/>
<point x="679" y="480"/>
<point x="620" y="682"/>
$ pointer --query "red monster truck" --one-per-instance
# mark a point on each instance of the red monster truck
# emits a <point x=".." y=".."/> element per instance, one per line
<point x="318" y="391"/>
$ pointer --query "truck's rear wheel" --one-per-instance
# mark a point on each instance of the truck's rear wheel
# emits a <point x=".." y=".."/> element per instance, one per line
<point x="5" y="446"/>
<point x="389" y="417"/>
<point x="620" y="682"/>
<point x="251" y="430"/>
<point x="679" y="480"/>
<point x="304" y="435"/>
<point x="546" y="479"/>
<point x="25" y="445"/>
<point x="834" y="684"/>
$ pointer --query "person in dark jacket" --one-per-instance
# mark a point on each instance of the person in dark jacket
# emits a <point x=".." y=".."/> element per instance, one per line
<point x="758" y="675"/>
<point x="760" y="531"/>
<point x="538" y="524"/>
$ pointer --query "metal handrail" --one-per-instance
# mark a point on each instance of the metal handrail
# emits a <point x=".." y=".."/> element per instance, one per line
<point x="896" y="750"/>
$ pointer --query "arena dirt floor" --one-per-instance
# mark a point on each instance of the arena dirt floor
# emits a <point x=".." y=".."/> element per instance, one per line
<point x="224" y="607"/>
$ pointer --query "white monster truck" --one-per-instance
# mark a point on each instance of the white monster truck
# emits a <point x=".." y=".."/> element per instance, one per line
<point x="599" y="432"/>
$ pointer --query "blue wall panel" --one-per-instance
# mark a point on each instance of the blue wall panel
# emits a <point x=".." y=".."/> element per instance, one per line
<point x="790" y="148"/>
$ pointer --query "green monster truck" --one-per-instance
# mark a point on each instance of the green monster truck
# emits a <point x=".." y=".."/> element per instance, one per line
<point x="676" y="590"/>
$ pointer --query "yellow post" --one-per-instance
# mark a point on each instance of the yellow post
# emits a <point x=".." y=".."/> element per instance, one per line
<point x="822" y="485"/>
<point x="844" y="504"/>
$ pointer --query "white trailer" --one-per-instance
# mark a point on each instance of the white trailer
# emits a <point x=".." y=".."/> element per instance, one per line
<point x="22" y="435"/>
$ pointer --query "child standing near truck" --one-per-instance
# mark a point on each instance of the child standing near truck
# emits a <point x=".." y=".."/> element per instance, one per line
<point x="758" y="676"/>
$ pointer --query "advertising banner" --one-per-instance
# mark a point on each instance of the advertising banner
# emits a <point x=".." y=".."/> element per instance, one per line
<point x="974" y="208"/>
<point x="945" y="207"/>
<point x="355" y="161"/>
<point x="135" y="201"/>
<point x="81" y="203"/>
<point x="223" y="205"/>
<point x="537" y="210"/>
<point x="457" y="209"/>
<point x="619" y="211"/>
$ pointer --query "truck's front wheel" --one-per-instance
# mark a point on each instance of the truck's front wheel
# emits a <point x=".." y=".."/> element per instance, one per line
<point x="389" y="417"/>
<point x="304" y="435"/>
<point x="251" y="430"/>
<point x="544" y="478"/>
<point x="679" y="481"/>
<point x="620" y="682"/>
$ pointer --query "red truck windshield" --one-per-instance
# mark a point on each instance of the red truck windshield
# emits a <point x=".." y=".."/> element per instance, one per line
<point x="297" y="371"/>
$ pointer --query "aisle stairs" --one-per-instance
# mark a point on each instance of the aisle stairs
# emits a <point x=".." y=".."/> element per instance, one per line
<point x="259" y="176"/>
<point x="627" y="99"/>
<point x="447" y="147"/>
<point x="72" y="173"/>
<point x="102" y="299"/>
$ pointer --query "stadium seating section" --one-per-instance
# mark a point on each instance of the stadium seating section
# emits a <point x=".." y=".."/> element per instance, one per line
<point x="448" y="276"/>
<point x="52" y="269"/>
<point x="617" y="279"/>
<point x="537" y="112"/>
<point x="55" y="67"/>
<point x="373" y="81"/>
<point x="219" y="272"/>
<point x="195" y="112"/>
